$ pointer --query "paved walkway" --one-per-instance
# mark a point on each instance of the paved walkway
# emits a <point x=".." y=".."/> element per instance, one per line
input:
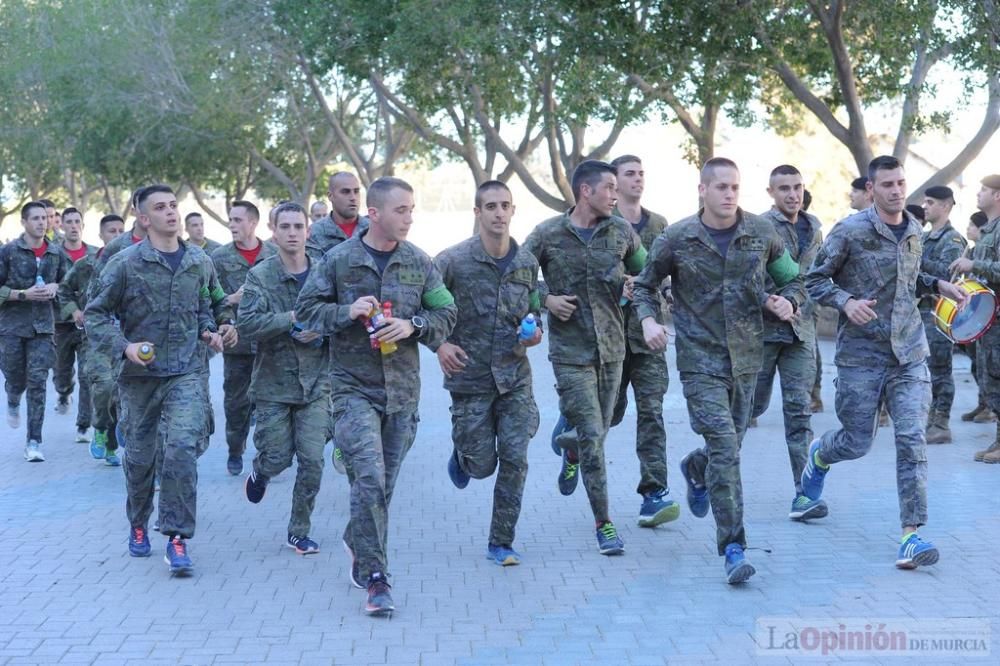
<point x="69" y="593"/>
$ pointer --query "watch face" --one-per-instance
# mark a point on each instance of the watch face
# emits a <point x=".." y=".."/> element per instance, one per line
<point x="418" y="322"/>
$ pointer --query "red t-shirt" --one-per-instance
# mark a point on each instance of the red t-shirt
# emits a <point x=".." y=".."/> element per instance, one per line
<point x="250" y="255"/>
<point x="40" y="250"/>
<point x="349" y="227"/>
<point x="76" y="255"/>
<point x="135" y="239"/>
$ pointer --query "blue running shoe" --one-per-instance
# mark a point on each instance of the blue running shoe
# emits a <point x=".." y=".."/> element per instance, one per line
<point x="738" y="570"/>
<point x="657" y="508"/>
<point x="814" y="473"/>
<point x="914" y="552"/>
<point x="99" y="445"/>
<point x="120" y="435"/>
<point x="804" y="508"/>
<point x="138" y="542"/>
<point x="255" y="487"/>
<point x="177" y="557"/>
<point x="457" y="475"/>
<point x="562" y="426"/>
<point x="379" y="600"/>
<point x="697" y="494"/>
<point x="505" y="556"/>
<point x="234" y="465"/>
<point x="112" y="459"/>
<point x="608" y="541"/>
<point x="569" y="474"/>
<point x="302" y="545"/>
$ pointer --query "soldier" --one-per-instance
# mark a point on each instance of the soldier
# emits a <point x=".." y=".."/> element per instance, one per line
<point x="486" y="369"/>
<point x="789" y="346"/>
<point x="868" y="268"/>
<point x="943" y="244"/>
<point x="343" y="221"/>
<point x="644" y="368"/>
<point x="69" y="338"/>
<point x="232" y="262"/>
<point x="31" y="269"/>
<point x="291" y="377"/>
<point x="377" y="391"/>
<point x="985" y="264"/>
<point x="160" y="292"/>
<point x="318" y="211"/>
<point x="53" y="225"/>
<point x="95" y="371"/>
<point x="717" y="261"/>
<point x="860" y="195"/>
<point x="584" y="254"/>
<point x="194" y="225"/>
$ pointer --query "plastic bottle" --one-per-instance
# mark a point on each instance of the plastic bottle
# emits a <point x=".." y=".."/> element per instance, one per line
<point x="39" y="280"/>
<point x="297" y="328"/>
<point x="146" y="352"/>
<point x="387" y="347"/>
<point x="367" y="322"/>
<point x="528" y="327"/>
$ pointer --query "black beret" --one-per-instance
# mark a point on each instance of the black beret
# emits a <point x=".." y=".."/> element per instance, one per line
<point x="940" y="192"/>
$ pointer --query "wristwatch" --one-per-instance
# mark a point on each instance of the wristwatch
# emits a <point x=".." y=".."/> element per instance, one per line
<point x="419" y="325"/>
<point x="21" y="295"/>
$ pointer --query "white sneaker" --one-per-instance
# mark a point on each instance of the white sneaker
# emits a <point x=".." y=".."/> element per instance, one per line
<point x="62" y="405"/>
<point x="13" y="417"/>
<point x="33" y="452"/>
<point x="82" y="435"/>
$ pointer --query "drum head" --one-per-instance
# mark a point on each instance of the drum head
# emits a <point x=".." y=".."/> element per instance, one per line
<point x="973" y="321"/>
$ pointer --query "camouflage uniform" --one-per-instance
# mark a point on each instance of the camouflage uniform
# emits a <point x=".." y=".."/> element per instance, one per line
<point x="493" y="410"/>
<point x="790" y="349"/>
<point x="886" y="359"/>
<point x="26" y="327"/>
<point x="941" y="248"/>
<point x="71" y="349"/>
<point x="646" y="371"/>
<point x="375" y="405"/>
<point x="290" y="387"/>
<point x="587" y="351"/>
<point x="171" y="310"/>
<point x="325" y="234"/>
<point x="232" y="270"/>
<point x="718" y="306"/>
<point x="210" y="246"/>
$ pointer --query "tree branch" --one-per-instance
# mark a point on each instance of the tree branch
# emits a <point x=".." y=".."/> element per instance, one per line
<point x="197" y="194"/>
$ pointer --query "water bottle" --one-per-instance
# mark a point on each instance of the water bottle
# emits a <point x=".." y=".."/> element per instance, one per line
<point x="528" y="328"/>
<point x="39" y="280"/>
<point x="297" y="328"/>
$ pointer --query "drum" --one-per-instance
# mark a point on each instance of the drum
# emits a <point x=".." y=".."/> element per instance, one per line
<point x="974" y="320"/>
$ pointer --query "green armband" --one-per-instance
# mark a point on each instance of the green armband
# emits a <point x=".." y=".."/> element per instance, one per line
<point x="637" y="261"/>
<point x="783" y="269"/>
<point x="534" y="302"/>
<point x="438" y="297"/>
<point x="217" y="294"/>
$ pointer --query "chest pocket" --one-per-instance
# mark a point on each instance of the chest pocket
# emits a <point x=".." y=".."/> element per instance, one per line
<point x="515" y="293"/>
<point x="232" y="275"/>
<point x="411" y="289"/>
<point x="606" y="260"/>
<point x="746" y="258"/>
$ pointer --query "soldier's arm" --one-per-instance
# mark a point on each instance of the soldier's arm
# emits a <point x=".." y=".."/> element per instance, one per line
<point x="69" y="291"/>
<point x="257" y="320"/>
<point x="5" y="291"/>
<point x="533" y="244"/>
<point x="785" y="272"/>
<point x="635" y="255"/>
<point x="829" y="260"/>
<point x="221" y="310"/>
<point x="206" y="309"/>
<point x="645" y="289"/>
<point x="317" y="307"/>
<point x="438" y="308"/>
<point x="103" y="308"/>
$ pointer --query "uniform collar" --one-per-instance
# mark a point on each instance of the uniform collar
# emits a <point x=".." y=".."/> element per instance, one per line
<point x="912" y="228"/>
<point x="935" y="235"/>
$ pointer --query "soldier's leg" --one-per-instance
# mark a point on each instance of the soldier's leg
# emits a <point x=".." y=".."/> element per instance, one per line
<point x="516" y="417"/>
<point x="237" y="371"/>
<point x="764" y="386"/>
<point x="818" y="380"/>
<point x="84" y="407"/>
<point x="62" y="367"/>
<point x="621" y="404"/>
<point x="859" y="397"/>
<point x="474" y="432"/>
<point x="309" y="423"/>
<point x="209" y="409"/>
<point x="942" y="383"/>
<point x="39" y="355"/>
<point x="140" y="420"/>
<point x="102" y="390"/>
<point x="183" y="408"/>
<point x="908" y="396"/>
<point x="649" y="385"/>
<point x="274" y="439"/>
<point x="796" y="367"/>
<point x="15" y="366"/>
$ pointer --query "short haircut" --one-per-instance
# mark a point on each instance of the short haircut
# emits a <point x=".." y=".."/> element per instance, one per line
<point x="289" y="207"/>
<point x="979" y="219"/>
<point x="624" y="159"/>
<point x="589" y="173"/>
<point x="339" y="174"/>
<point x="149" y="191"/>
<point x="916" y="211"/>
<point x="47" y="203"/>
<point x="807" y="199"/>
<point x="26" y="208"/>
<point x="882" y="163"/>
<point x="486" y="187"/>
<point x="108" y="219"/>
<point x="135" y="197"/>
<point x="316" y="203"/>
<point x="71" y="209"/>
<point x="193" y="213"/>
<point x="860" y="183"/>
<point x="379" y="190"/>
<point x="252" y="211"/>
<point x="708" y="169"/>
<point x="785" y="170"/>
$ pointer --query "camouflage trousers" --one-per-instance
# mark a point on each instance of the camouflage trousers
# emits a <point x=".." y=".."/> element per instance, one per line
<point x="71" y="354"/>
<point x="492" y="430"/>
<point x="794" y="363"/>
<point x="236" y="375"/>
<point x="25" y="364"/>
<point x="102" y="373"/>
<point x="939" y="363"/>
<point x="206" y="375"/>
<point x="719" y="410"/>
<point x="906" y="390"/>
<point x="817" y="386"/>
<point x="647" y="373"/>
<point x="374" y="445"/>
<point x="988" y="367"/>
<point x="286" y="431"/>
<point x="587" y="396"/>
<point x="170" y="409"/>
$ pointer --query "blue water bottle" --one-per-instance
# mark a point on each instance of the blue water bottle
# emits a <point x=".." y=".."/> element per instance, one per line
<point x="528" y="328"/>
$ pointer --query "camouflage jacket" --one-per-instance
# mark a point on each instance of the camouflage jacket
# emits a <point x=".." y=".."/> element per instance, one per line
<point x="594" y="272"/>
<point x="411" y="283"/>
<point x="283" y="370"/>
<point x="18" y="270"/>
<point x="169" y="309"/>
<point x="986" y="254"/>
<point x="73" y="290"/>
<point x="802" y="327"/>
<point x="490" y="309"/>
<point x="210" y="246"/>
<point x="718" y="301"/>
<point x="61" y="316"/>
<point x="232" y="270"/>
<point x="941" y="248"/>
<point x="325" y="234"/>
<point x="655" y="224"/>
<point x="117" y="244"/>
<point x="861" y="259"/>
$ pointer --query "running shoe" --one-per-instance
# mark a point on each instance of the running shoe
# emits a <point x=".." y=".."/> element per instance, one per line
<point x="804" y="508"/>
<point x="914" y="552"/>
<point x="138" y="542"/>
<point x="814" y="473"/>
<point x="379" y="600"/>
<point x="738" y="570"/>
<point x="697" y="494"/>
<point x="505" y="556"/>
<point x="177" y="557"/>
<point x="302" y="545"/>
<point x="657" y="508"/>
<point x="457" y="475"/>
<point x="33" y="452"/>
<point x="569" y="474"/>
<point x="608" y="541"/>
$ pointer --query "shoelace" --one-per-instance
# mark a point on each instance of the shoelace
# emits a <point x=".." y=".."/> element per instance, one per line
<point x="570" y="470"/>
<point x="609" y="531"/>
<point x="140" y="535"/>
<point x="179" y="547"/>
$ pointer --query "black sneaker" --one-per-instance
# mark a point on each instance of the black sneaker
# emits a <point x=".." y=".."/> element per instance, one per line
<point x="379" y="600"/>
<point x="235" y="465"/>
<point x="255" y="487"/>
